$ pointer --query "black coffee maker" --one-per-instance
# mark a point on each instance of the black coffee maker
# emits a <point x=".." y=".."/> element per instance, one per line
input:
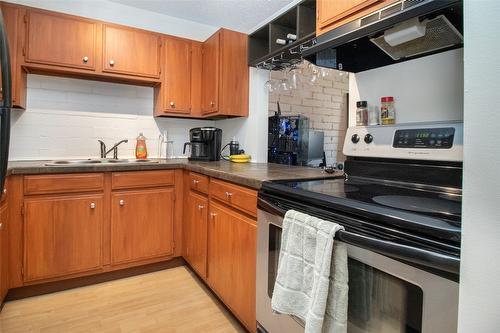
<point x="205" y="143"/>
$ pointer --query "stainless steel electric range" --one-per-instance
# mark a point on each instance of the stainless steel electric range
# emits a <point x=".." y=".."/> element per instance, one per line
<point x="400" y="204"/>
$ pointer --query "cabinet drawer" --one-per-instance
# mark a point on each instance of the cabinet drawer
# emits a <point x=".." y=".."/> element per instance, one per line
<point x="236" y="196"/>
<point x="83" y="182"/>
<point x="134" y="179"/>
<point x="198" y="182"/>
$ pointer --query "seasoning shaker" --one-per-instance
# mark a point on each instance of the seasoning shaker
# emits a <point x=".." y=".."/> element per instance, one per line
<point x="362" y="113"/>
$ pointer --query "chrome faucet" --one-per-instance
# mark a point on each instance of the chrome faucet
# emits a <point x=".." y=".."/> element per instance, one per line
<point x="114" y="148"/>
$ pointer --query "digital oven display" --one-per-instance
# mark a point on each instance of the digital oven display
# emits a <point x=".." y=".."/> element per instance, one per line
<point x="430" y="138"/>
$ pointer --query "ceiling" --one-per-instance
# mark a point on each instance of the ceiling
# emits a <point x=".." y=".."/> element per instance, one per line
<point x="239" y="15"/>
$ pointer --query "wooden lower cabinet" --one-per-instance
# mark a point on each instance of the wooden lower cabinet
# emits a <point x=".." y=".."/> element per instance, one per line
<point x="231" y="260"/>
<point x="4" y="247"/>
<point x="62" y="235"/>
<point x="142" y="224"/>
<point x="195" y="232"/>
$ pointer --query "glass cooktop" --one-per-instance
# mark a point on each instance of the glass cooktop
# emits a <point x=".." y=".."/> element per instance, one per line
<point x="422" y="200"/>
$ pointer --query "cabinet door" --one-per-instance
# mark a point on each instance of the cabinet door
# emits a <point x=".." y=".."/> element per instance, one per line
<point x="4" y="258"/>
<point x="195" y="232"/>
<point x="231" y="261"/>
<point x="12" y="16"/>
<point x="60" y="40"/>
<point x="177" y="75"/>
<point x="141" y="224"/>
<point x="131" y="51"/>
<point x="62" y="235"/>
<point x="210" y="75"/>
<point x="331" y="14"/>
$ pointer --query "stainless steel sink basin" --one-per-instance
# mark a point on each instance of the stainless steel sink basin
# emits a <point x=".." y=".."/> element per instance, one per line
<point x="96" y="161"/>
<point x="72" y="162"/>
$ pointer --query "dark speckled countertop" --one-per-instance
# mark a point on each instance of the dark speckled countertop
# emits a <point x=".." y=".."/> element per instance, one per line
<point x="246" y="174"/>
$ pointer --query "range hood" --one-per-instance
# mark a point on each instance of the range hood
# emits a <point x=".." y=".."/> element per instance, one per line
<point x="404" y="30"/>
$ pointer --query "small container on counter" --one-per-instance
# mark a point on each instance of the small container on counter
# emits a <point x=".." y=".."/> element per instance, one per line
<point x="387" y="110"/>
<point x="373" y="116"/>
<point x="361" y="113"/>
<point x="141" y="151"/>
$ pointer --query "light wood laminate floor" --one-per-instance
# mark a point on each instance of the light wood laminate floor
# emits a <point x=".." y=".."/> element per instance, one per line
<point x="170" y="301"/>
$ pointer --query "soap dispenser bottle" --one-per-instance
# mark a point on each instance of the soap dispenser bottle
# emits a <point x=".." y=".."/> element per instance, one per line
<point x="141" y="151"/>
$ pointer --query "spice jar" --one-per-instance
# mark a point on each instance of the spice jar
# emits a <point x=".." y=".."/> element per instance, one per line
<point x="373" y="116"/>
<point x="362" y="113"/>
<point x="387" y="110"/>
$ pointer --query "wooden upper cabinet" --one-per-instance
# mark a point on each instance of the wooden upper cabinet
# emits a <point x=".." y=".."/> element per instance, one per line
<point x="332" y="14"/>
<point x="13" y="21"/>
<point x="225" y="74"/>
<point x="62" y="235"/>
<point x="177" y="78"/>
<point x="210" y="74"/>
<point x="141" y="224"/>
<point x="130" y="51"/>
<point x="61" y="40"/>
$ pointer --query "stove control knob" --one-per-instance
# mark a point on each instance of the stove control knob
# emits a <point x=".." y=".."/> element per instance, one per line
<point x="368" y="138"/>
<point x="355" y="138"/>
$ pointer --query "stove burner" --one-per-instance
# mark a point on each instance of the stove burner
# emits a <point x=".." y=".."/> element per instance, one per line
<point x="420" y="204"/>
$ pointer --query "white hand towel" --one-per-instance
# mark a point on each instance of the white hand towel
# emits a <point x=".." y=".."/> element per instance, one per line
<point x="312" y="279"/>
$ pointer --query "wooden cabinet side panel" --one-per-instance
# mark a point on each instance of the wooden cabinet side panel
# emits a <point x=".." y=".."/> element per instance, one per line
<point x="234" y="92"/>
<point x="15" y="230"/>
<point x="4" y="251"/>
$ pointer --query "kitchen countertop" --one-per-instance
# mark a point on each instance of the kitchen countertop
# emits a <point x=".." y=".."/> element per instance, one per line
<point x="246" y="174"/>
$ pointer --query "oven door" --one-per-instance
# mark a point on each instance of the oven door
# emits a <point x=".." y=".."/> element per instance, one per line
<point x="385" y="295"/>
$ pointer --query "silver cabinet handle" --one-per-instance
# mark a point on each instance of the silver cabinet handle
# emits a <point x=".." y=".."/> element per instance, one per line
<point x="213" y="215"/>
<point x="111" y="62"/>
<point x="172" y="104"/>
<point x="212" y="103"/>
<point x="92" y="205"/>
<point x="200" y="207"/>
<point x="195" y="181"/>
<point x="122" y="202"/>
<point x="228" y="194"/>
<point x="1" y="226"/>
<point x="4" y="190"/>
<point x="85" y="59"/>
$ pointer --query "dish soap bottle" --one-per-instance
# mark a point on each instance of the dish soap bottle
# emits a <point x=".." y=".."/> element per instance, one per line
<point x="141" y="151"/>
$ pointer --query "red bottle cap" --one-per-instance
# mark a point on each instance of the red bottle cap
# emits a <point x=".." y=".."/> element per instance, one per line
<point x="387" y="99"/>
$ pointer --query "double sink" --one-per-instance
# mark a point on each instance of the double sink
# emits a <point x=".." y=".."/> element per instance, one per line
<point x="90" y="162"/>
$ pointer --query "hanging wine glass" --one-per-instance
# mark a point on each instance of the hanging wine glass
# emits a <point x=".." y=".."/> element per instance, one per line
<point x="294" y="76"/>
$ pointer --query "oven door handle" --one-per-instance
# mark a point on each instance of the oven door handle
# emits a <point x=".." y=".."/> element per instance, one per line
<point x="403" y="252"/>
<point x="407" y="253"/>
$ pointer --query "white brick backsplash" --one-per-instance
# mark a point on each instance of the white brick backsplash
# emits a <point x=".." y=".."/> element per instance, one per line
<point x="324" y="103"/>
<point x="65" y="117"/>
<point x="322" y="97"/>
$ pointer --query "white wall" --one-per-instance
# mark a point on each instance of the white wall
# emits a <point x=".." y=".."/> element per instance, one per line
<point x="428" y="88"/>
<point x="251" y="132"/>
<point x="479" y="309"/>
<point x="65" y="117"/>
<point x="120" y="14"/>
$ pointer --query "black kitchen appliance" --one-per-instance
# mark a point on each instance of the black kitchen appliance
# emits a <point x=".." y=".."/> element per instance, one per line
<point x="205" y="144"/>
<point x="400" y="204"/>
<point x="6" y="103"/>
